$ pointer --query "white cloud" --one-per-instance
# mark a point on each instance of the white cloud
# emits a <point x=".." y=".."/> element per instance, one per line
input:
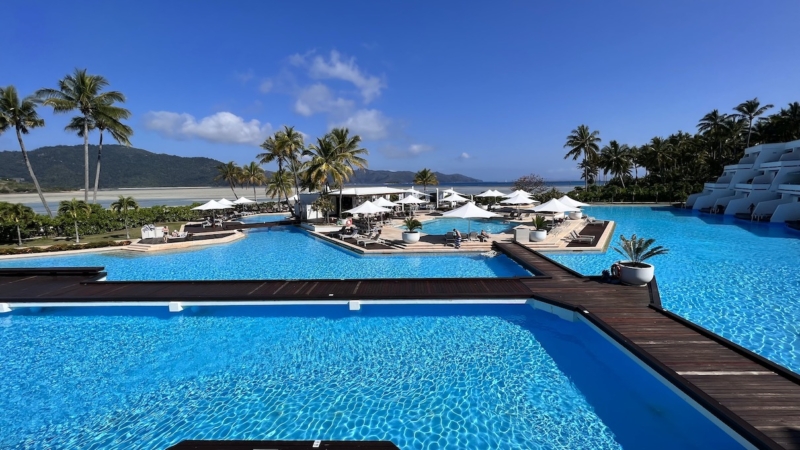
<point x="266" y="86"/>
<point x="464" y="155"/>
<point x="318" y="98"/>
<point x="244" y="77"/>
<point x="416" y="149"/>
<point x="341" y="69"/>
<point x="369" y="123"/>
<point x="413" y="150"/>
<point x="222" y="127"/>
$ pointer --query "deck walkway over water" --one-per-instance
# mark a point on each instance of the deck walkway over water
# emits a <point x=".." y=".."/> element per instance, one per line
<point x="755" y="397"/>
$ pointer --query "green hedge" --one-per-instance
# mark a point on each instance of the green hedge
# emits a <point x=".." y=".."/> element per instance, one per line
<point x="62" y="247"/>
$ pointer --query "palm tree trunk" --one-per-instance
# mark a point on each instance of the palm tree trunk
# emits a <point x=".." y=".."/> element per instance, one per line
<point x="127" y="233"/>
<point x="97" y="173"/>
<point x="749" y="131"/>
<point x="77" y="236"/>
<point x="86" y="158"/>
<point x="33" y="177"/>
<point x="232" y="190"/>
<point x="585" y="174"/>
<point x="255" y="195"/>
<point x="296" y="187"/>
<point x="19" y="236"/>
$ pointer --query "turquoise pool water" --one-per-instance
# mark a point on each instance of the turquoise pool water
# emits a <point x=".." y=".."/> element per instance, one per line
<point x="424" y="377"/>
<point x="262" y="218"/>
<point x="736" y="278"/>
<point x="444" y="224"/>
<point x="278" y="253"/>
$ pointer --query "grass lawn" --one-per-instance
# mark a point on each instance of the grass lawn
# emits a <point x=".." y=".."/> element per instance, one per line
<point x="135" y="232"/>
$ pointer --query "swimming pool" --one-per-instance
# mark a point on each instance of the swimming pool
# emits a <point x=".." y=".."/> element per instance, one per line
<point x="738" y="279"/>
<point x="424" y="377"/>
<point x="442" y="225"/>
<point x="263" y="218"/>
<point x="281" y="252"/>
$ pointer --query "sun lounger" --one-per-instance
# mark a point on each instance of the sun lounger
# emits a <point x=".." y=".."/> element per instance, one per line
<point x="450" y="238"/>
<point x="353" y="234"/>
<point x="473" y="236"/>
<point x="374" y="238"/>
<point x="575" y="237"/>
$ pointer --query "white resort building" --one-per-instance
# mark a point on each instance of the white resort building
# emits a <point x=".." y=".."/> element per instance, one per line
<point x="764" y="185"/>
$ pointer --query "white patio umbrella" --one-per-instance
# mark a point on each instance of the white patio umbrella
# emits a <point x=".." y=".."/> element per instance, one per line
<point x="570" y="202"/>
<point x="491" y="193"/>
<point x="450" y="192"/>
<point x="385" y="203"/>
<point x="225" y="201"/>
<point x="211" y="206"/>
<point x="415" y="192"/>
<point x="554" y="206"/>
<point x="469" y="211"/>
<point x="410" y="200"/>
<point x="519" y="199"/>
<point x="455" y="198"/>
<point x="368" y="208"/>
<point x="243" y="201"/>
<point x="517" y="192"/>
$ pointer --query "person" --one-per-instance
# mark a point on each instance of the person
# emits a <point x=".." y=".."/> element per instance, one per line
<point x="483" y="236"/>
<point x="752" y="208"/>
<point x="458" y="237"/>
<point x="166" y="233"/>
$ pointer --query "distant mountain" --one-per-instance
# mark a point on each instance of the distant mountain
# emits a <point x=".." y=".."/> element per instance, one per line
<point x="404" y="177"/>
<point x="61" y="167"/>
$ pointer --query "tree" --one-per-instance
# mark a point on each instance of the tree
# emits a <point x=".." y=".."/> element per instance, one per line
<point x="350" y="151"/>
<point x="82" y="92"/>
<point x="274" y="153"/>
<point x="713" y="125"/>
<point x="324" y="204"/>
<point x="326" y="164"/>
<point x="617" y="160"/>
<point x="533" y="184"/>
<point x="278" y="184"/>
<point x="75" y="210"/>
<point x="121" y="206"/>
<point x="18" y="214"/>
<point x="253" y="175"/>
<point x="583" y="142"/>
<point x="425" y="177"/>
<point x="22" y="116"/>
<point x="749" y="110"/>
<point x="290" y="144"/>
<point x="105" y="117"/>
<point x="231" y="173"/>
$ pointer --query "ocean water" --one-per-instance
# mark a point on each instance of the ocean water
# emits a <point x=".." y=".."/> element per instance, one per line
<point x="736" y="278"/>
<point x="424" y="377"/>
<point x="282" y="252"/>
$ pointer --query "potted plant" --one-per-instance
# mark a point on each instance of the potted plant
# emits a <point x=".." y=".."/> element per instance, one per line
<point x="411" y="236"/>
<point x="635" y="271"/>
<point x="540" y="233"/>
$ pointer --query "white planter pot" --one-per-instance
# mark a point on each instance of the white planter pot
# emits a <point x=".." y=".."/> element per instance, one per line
<point x="410" y="237"/>
<point x="538" y="235"/>
<point x="575" y="215"/>
<point x="636" y="276"/>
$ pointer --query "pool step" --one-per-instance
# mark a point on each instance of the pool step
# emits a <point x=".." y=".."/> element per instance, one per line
<point x="137" y="247"/>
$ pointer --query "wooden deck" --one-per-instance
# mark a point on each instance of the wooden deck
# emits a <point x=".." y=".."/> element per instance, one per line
<point x="755" y="397"/>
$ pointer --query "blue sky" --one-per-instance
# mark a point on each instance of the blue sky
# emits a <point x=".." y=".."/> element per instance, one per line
<point x="487" y="89"/>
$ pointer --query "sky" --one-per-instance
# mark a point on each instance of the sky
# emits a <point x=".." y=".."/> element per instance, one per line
<point x="485" y="89"/>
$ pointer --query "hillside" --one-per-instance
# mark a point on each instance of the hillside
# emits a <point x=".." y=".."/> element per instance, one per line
<point x="390" y="177"/>
<point x="62" y="167"/>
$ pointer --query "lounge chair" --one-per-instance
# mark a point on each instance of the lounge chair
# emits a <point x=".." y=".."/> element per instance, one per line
<point x="450" y="238"/>
<point x="353" y="234"/>
<point x="473" y="236"/>
<point x="372" y="239"/>
<point x="575" y="237"/>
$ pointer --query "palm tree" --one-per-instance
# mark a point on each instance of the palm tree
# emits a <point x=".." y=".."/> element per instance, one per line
<point x="750" y="110"/>
<point x="231" y="173"/>
<point x="584" y="142"/>
<point x="713" y="125"/>
<point x="326" y="164"/>
<point x="105" y="117"/>
<point x="121" y="206"/>
<point x="660" y="149"/>
<point x="253" y="175"/>
<point x="618" y="160"/>
<point x="75" y="209"/>
<point x="425" y="177"/>
<point x="17" y="214"/>
<point x="274" y="153"/>
<point x="290" y="144"/>
<point x="81" y="91"/>
<point x="22" y="116"/>
<point x="350" y="151"/>
<point x="279" y="183"/>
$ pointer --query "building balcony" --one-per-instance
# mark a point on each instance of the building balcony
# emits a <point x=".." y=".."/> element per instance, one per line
<point x="751" y="187"/>
<point x="716" y="185"/>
